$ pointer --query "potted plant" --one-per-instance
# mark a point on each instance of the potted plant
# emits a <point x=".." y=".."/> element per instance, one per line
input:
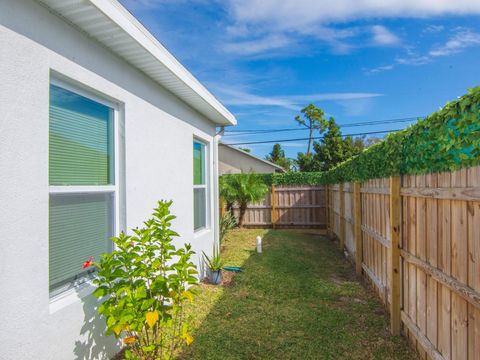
<point x="215" y="264"/>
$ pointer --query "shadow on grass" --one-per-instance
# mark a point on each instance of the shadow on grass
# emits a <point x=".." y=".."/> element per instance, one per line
<point x="299" y="299"/>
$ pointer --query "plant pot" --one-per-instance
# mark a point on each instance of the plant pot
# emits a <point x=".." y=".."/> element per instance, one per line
<point x="214" y="277"/>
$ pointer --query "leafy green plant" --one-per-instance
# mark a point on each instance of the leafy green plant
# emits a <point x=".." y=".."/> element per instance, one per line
<point x="227" y="222"/>
<point x="144" y="284"/>
<point x="215" y="261"/>
<point x="242" y="189"/>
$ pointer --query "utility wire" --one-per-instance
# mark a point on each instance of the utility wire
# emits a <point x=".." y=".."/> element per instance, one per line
<point x="313" y="138"/>
<point x="365" y="123"/>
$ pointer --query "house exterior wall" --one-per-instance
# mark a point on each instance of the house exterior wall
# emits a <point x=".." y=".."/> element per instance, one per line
<point x="231" y="161"/>
<point x="158" y="131"/>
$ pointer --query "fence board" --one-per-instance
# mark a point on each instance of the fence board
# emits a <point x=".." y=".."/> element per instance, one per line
<point x="473" y="220"/>
<point x="292" y="207"/>
<point x="444" y="339"/>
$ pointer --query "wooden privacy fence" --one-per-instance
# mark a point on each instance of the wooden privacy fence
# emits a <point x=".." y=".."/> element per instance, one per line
<point x="288" y="207"/>
<point x="417" y="240"/>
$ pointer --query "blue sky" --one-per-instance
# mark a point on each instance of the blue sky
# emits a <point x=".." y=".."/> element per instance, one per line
<point x="359" y="60"/>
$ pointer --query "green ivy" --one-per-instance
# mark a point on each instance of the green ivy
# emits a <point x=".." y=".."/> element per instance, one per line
<point x="446" y="140"/>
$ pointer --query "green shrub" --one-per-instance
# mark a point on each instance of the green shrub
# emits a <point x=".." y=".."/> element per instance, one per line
<point x="242" y="189"/>
<point x="144" y="284"/>
<point x="227" y="222"/>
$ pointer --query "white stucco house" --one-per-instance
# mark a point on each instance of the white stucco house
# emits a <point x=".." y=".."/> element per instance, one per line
<point x="98" y="122"/>
<point x="232" y="160"/>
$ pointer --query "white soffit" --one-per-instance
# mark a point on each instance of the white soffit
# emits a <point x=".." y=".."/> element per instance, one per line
<point x="108" y="22"/>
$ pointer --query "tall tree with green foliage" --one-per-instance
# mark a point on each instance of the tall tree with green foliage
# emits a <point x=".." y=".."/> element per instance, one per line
<point x="277" y="156"/>
<point x="331" y="150"/>
<point x="312" y="118"/>
<point x="242" y="189"/>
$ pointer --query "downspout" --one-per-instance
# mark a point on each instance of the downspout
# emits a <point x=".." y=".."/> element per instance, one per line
<point x="216" y="214"/>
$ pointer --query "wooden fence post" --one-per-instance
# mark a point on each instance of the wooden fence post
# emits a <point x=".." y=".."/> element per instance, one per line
<point x="357" y="206"/>
<point x="273" y="214"/>
<point x="327" y="208"/>
<point x="342" y="216"/>
<point x="395" y="225"/>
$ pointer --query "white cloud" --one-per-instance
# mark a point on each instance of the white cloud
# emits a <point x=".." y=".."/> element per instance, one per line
<point x="256" y="46"/>
<point x="295" y="14"/>
<point x="321" y="19"/>
<point x="357" y="107"/>
<point x="460" y="41"/>
<point x="236" y="97"/>
<point x="293" y="102"/>
<point x="383" y="36"/>
<point x="431" y="29"/>
<point x="380" y="69"/>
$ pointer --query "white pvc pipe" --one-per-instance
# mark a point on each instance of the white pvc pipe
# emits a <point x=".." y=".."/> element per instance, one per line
<point x="259" y="244"/>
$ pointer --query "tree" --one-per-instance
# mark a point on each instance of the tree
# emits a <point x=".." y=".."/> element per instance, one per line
<point x="246" y="150"/>
<point x="242" y="189"/>
<point x="313" y="120"/>
<point x="277" y="156"/>
<point x="352" y="147"/>
<point x="306" y="163"/>
<point x="330" y="150"/>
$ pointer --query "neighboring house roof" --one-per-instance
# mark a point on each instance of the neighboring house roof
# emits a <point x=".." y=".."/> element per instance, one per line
<point x="108" y="22"/>
<point x="277" y="167"/>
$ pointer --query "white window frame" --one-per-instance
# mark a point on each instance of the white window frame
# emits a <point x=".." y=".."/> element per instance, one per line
<point x="206" y="186"/>
<point x="92" y="189"/>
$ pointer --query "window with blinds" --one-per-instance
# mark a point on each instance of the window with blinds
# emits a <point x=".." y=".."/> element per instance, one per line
<point x="82" y="184"/>
<point x="199" y="186"/>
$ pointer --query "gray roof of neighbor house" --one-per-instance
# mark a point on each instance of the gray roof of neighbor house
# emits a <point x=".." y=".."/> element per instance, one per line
<point x="277" y="167"/>
<point x="108" y="22"/>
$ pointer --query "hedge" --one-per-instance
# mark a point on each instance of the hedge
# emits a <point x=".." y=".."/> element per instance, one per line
<point x="446" y="140"/>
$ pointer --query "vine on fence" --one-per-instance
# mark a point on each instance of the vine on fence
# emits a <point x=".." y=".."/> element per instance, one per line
<point x="446" y="140"/>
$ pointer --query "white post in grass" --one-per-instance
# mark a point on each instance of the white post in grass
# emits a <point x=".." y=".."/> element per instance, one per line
<point x="259" y="244"/>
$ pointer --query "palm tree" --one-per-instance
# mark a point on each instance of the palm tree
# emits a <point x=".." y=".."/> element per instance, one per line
<point x="242" y="189"/>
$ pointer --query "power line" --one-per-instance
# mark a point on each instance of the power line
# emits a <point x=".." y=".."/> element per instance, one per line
<point x="313" y="138"/>
<point x="365" y="123"/>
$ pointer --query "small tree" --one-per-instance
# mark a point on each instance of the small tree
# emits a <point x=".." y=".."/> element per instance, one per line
<point x="313" y="120"/>
<point x="242" y="189"/>
<point x="144" y="284"/>
<point x="277" y="156"/>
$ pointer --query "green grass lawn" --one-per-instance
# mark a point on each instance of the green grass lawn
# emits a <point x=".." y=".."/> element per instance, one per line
<point x="299" y="299"/>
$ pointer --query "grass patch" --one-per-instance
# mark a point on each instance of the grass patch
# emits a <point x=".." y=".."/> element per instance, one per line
<point x="299" y="299"/>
